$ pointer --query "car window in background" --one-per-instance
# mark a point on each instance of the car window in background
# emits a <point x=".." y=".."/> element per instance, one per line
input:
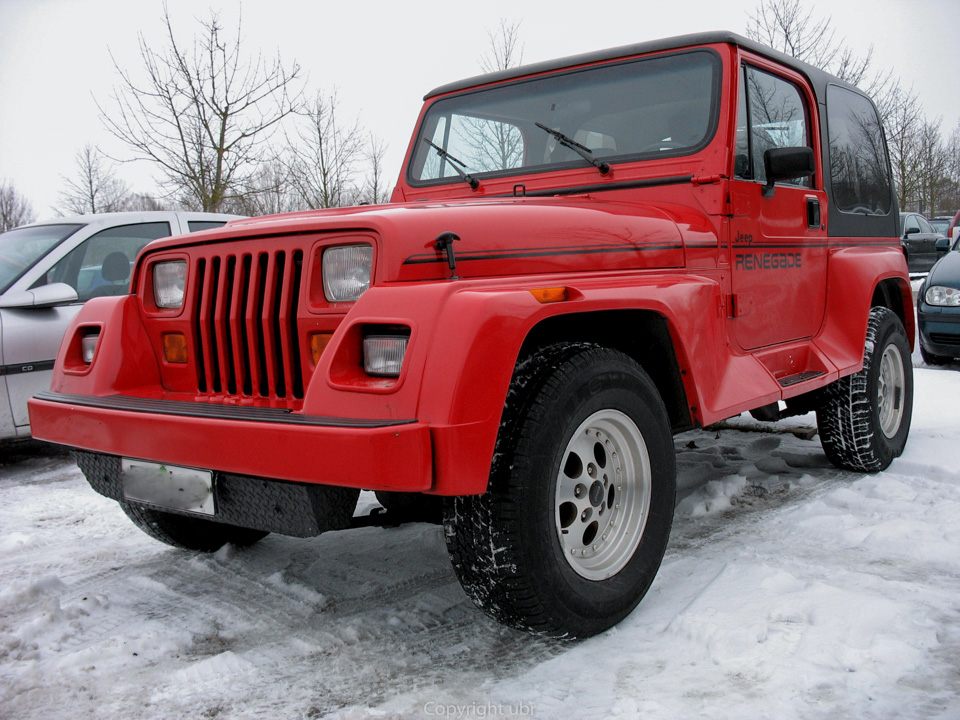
<point x="909" y="222"/>
<point x="925" y="225"/>
<point x="21" y="248"/>
<point x="941" y="225"/>
<point x="198" y="225"/>
<point x="101" y="264"/>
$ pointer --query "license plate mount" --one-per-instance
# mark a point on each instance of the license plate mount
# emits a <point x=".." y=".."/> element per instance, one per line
<point x="170" y="487"/>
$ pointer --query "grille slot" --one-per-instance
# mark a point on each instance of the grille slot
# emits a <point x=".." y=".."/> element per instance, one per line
<point x="246" y="308"/>
<point x="944" y="339"/>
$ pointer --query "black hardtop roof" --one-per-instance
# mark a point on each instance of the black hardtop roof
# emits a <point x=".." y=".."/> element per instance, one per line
<point x="819" y="78"/>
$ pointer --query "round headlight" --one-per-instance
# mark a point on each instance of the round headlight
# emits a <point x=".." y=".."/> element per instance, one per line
<point x="346" y="272"/>
<point x="169" y="280"/>
<point x="942" y="296"/>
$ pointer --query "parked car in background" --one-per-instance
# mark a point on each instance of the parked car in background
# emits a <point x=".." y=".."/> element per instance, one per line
<point x="47" y="271"/>
<point x="941" y="223"/>
<point x="919" y="240"/>
<point x="953" y="232"/>
<point x="938" y="310"/>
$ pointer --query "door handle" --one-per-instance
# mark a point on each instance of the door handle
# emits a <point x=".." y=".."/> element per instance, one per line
<point x="813" y="212"/>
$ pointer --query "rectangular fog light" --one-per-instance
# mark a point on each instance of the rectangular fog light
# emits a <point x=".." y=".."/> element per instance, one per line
<point x="88" y="346"/>
<point x="383" y="354"/>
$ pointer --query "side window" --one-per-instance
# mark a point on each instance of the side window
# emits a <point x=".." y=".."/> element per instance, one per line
<point x="910" y="223"/>
<point x="101" y="264"/>
<point x="198" y="225"/>
<point x="925" y="227"/>
<point x="859" y="173"/>
<point x="771" y="114"/>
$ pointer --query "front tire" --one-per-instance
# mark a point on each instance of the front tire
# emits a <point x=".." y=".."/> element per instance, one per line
<point x="571" y="531"/>
<point x="864" y="418"/>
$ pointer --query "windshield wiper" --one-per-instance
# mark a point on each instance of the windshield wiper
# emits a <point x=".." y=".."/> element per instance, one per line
<point x="474" y="183"/>
<point x="584" y="152"/>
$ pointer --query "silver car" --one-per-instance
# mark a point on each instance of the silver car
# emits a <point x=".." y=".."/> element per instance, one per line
<point x="47" y="271"/>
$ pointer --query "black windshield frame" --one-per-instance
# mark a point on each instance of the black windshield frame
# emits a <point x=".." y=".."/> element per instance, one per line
<point x="582" y="89"/>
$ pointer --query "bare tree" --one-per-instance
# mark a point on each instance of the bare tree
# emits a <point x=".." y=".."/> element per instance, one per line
<point x="951" y="199"/>
<point x="505" y="49"/>
<point x="375" y="191"/>
<point x="323" y="164"/>
<point x="15" y="209"/>
<point x="791" y="27"/>
<point x="95" y="187"/>
<point x="203" y="112"/>
<point x="144" y="201"/>
<point x="932" y="166"/>
<point x="903" y="120"/>
<point x="496" y="145"/>
<point x="270" y="192"/>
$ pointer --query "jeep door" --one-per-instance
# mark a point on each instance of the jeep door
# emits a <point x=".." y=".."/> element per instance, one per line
<point x="777" y="234"/>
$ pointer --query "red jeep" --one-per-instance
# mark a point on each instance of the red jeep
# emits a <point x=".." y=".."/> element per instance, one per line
<point x="582" y="257"/>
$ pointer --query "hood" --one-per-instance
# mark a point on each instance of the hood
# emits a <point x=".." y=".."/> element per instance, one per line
<point x="946" y="271"/>
<point x="497" y="237"/>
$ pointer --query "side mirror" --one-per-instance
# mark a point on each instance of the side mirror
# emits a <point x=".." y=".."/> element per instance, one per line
<point x="911" y="231"/>
<point x="943" y="246"/>
<point x="787" y="163"/>
<point x="42" y="297"/>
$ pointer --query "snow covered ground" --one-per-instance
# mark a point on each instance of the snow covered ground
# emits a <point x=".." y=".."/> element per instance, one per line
<point x="790" y="589"/>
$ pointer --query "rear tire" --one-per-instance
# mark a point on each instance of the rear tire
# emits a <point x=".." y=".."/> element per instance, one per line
<point x="189" y="533"/>
<point x="571" y="531"/>
<point x="864" y="418"/>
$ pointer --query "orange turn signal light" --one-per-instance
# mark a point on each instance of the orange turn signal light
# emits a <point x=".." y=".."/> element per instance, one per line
<point x="318" y="343"/>
<point x="549" y="295"/>
<point x="175" y="347"/>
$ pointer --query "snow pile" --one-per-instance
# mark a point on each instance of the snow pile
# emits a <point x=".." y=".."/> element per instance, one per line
<point x="790" y="590"/>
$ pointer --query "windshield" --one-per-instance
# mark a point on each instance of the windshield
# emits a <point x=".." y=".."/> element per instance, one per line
<point x="21" y="248"/>
<point x="640" y="109"/>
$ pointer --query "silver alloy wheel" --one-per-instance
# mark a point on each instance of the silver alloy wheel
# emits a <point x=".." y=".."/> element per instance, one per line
<point x="603" y="494"/>
<point x="890" y="389"/>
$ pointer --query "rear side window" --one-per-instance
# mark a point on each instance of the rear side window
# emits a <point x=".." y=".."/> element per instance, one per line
<point x="198" y="225"/>
<point x="859" y="173"/>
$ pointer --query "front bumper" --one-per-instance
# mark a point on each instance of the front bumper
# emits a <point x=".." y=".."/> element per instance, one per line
<point x="939" y="330"/>
<point x="257" y="442"/>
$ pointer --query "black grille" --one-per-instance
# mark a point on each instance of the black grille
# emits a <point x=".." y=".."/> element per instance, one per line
<point x="245" y="310"/>
<point x="945" y="339"/>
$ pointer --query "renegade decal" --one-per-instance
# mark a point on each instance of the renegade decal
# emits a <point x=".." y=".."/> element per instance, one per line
<point x="768" y="261"/>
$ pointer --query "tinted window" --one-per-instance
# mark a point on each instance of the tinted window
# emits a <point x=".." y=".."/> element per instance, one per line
<point x="198" y="225"/>
<point x="101" y="264"/>
<point x="859" y="173"/>
<point x="940" y="225"/>
<point x="909" y="222"/>
<point x="771" y="114"/>
<point x="22" y="248"/>
<point x="660" y="106"/>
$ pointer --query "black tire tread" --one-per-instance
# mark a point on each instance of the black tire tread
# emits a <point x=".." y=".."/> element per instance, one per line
<point x="189" y="533"/>
<point x="845" y="415"/>
<point x="483" y="532"/>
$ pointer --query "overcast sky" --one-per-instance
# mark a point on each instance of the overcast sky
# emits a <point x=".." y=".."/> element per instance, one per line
<point x="383" y="57"/>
